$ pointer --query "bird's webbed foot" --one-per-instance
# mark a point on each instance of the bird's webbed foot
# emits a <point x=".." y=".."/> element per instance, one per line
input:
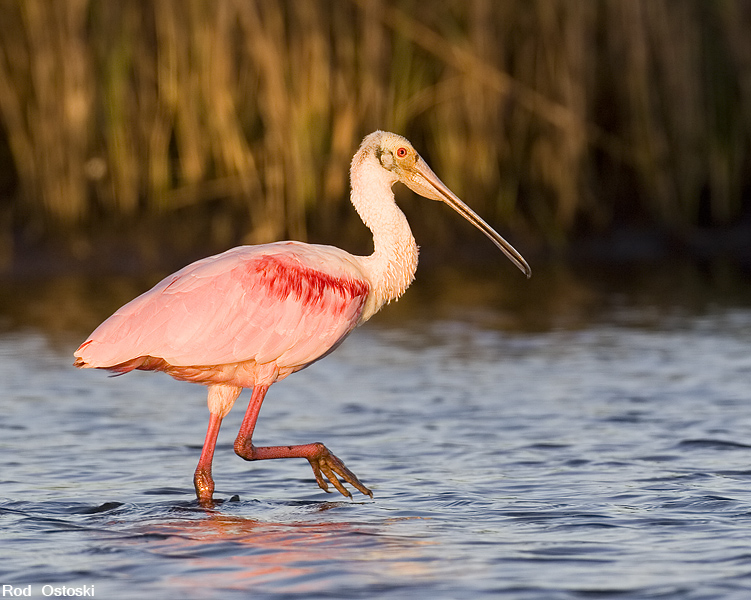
<point x="326" y="464"/>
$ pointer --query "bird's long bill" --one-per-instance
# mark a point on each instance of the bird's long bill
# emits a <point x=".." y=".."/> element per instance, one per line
<point x="429" y="185"/>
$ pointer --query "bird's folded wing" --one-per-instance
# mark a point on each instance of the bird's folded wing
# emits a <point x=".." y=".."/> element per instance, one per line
<point x="285" y="306"/>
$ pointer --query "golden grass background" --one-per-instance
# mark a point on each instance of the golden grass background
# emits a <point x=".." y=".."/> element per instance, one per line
<point x="552" y="118"/>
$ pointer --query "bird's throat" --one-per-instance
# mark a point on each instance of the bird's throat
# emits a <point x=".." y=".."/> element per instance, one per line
<point x="391" y="268"/>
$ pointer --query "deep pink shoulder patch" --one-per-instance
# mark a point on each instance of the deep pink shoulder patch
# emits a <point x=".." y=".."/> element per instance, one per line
<point x="283" y="276"/>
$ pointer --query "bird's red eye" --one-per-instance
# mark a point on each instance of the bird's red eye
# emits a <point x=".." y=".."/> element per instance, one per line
<point x="401" y="152"/>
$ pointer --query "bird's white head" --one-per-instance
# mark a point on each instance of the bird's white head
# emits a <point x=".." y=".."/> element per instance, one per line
<point x="396" y="154"/>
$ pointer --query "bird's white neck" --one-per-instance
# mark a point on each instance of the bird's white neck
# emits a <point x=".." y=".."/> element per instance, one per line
<point x="391" y="268"/>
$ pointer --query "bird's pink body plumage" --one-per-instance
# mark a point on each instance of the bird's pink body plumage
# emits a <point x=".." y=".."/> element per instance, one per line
<point x="244" y="318"/>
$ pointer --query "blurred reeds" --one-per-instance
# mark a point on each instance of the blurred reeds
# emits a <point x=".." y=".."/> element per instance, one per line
<point x="551" y="117"/>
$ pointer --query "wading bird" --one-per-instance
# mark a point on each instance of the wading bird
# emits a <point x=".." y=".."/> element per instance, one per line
<point x="250" y="316"/>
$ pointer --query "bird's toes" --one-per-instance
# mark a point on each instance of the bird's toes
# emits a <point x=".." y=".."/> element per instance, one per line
<point x="331" y="476"/>
<point x="330" y="465"/>
<point x="318" y="475"/>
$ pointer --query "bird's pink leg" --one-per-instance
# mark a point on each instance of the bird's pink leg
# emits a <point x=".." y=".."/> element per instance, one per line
<point x="319" y="457"/>
<point x="202" y="479"/>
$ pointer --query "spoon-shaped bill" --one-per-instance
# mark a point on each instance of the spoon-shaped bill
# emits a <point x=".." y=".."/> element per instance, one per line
<point x="423" y="181"/>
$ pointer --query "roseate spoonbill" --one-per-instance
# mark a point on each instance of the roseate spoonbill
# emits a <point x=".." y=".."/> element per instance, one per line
<point x="254" y="314"/>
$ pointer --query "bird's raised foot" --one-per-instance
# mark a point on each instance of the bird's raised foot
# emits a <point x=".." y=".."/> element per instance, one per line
<point x="326" y="464"/>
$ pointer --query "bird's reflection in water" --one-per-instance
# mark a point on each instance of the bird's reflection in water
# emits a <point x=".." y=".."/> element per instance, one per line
<point x="293" y="556"/>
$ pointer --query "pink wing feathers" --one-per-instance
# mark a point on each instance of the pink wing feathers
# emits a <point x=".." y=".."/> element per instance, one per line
<point x="286" y="303"/>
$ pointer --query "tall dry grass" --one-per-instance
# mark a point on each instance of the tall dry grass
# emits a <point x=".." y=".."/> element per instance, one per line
<point x="550" y="115"/>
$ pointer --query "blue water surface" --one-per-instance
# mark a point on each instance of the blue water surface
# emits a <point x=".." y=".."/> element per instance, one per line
<point x="602" y="450"/>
